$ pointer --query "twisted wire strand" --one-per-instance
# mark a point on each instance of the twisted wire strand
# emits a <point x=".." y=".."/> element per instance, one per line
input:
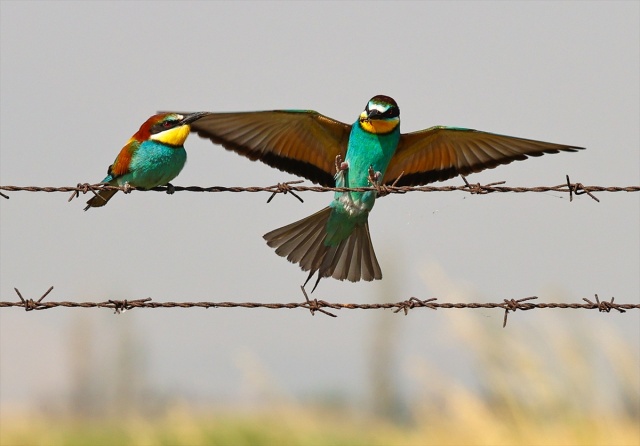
<point x="322" y="306"/>
<point x="293" y="187"/>
<point x="508" y="305"/>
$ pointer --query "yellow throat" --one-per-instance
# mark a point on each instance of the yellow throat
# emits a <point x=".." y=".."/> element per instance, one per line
<point x="378" y="125"/>
<point x="173" y="137"/>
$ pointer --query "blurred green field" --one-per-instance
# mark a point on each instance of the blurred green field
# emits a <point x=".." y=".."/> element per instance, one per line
<point x="471" y="423"/>
<point x="550" y="396"/>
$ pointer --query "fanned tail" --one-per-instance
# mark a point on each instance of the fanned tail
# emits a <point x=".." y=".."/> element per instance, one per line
<point x="101" y="199"/>
<point x="302" y="242"/>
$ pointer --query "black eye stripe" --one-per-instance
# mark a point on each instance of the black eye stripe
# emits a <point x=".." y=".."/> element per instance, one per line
<point x="392" y="112"/>
<point x="162" y="126"/>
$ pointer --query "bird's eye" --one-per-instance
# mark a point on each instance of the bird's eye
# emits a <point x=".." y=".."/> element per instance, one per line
<point x="166" y="124"/>
<point x="391" y="113"/>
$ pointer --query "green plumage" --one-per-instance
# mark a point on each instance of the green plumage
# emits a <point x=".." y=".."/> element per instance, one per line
<point x="154" y="155"/>
<point x="335" y="241"/>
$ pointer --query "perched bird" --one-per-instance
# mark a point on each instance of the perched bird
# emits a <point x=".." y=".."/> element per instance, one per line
<point x="335" y="241"/>
<point x="152" y="157"/>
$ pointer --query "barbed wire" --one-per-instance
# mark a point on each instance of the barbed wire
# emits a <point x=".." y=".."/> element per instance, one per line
<point x="313" y="305"/>
<point x="322" y="306"/>
<point x="292" y="187"/>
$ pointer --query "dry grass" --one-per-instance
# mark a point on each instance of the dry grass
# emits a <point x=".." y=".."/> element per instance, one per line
<point x="538" y="384"/>
<point x="473" y="422"/>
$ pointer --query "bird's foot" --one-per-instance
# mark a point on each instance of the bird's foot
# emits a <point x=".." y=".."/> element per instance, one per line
<point x="375" y="179"/>
<point x="340" y="164"/>
<point x="127" y="188"/>
<point x="170" y="189"/>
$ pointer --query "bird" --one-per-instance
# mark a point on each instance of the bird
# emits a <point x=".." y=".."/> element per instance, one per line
<point x="152" y="157"/>
<point x="335" y="241"/>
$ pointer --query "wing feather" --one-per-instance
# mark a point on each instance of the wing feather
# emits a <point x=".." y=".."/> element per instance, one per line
<point x="300" y="142"/>
<point x="440" y="153"/>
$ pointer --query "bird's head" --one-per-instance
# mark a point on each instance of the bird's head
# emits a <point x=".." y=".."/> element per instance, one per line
<point x="171" y="129"/>
<point x="381" y="115"/>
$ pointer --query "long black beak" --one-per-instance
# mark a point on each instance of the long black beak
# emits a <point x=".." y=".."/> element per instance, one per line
<point x="191" y="117"/>
<point x="373" y="114"/>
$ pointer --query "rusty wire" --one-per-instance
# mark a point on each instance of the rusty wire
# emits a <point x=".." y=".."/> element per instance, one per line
<point x="313" y="305"/>
<point x="322" y="306"/>
<point x="293" y="187"/>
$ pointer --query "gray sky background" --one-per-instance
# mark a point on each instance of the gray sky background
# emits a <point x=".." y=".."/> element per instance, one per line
<point x="77" y="80"/>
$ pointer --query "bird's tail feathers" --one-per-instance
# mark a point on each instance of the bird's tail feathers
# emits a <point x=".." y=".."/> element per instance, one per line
<point x="100" y="199"/>
<point x="302" y="242"/>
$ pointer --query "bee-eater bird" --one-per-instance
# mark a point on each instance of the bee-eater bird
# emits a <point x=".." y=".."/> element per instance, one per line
<point x="152" y="157"/>
<point x="335" y="241"/>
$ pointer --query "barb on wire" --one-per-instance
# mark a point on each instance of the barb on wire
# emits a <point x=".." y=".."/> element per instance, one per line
<point x="513" y="305"/>
<point x="314" y="305"/>
<point x="578" y="189"/>
<point x="292" y="187"/>
<point x="29" y="304"/>
<point x="414" y="302"/>
<point x="604" y="306"/>
<point x="479" y="189"/>
<point x="322" y="306"/>
<point x="123" y="305"/>
<point x="284" y="188"/>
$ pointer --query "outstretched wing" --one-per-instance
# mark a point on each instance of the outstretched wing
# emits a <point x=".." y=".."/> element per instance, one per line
<point x="439" y="153"/>
<point x="301" y="142"/>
